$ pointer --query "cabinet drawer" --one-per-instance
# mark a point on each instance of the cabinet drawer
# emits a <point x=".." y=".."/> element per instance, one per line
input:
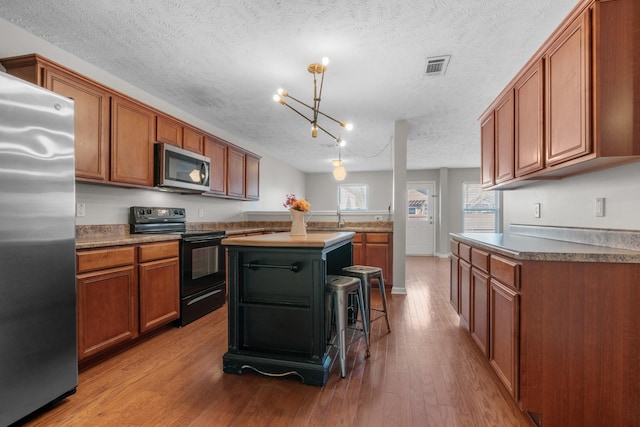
<point x="464" y="252"/>
<point x="357" y="238"/>
<point x="506" y="271"/>
<point x="377" y="237"/>
<point x="104" y="258"/>
<point x="480" y="259"/>
<point x="155" y="251"/>
<point x="454" y="247"/>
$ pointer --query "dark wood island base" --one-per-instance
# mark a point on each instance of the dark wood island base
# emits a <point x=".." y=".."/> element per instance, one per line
<point x="277" y="303"/>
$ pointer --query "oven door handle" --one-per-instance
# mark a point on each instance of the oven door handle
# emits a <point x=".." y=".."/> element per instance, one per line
<point x="202" y="239"/>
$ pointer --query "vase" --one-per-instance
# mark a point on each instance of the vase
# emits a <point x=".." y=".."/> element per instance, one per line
<point x="298" y="226"/>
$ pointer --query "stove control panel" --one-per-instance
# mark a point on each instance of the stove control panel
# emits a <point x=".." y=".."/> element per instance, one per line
<point x="150" y="215"/>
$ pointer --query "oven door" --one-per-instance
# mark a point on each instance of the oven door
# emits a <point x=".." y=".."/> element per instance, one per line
<point x="203" y="264"/>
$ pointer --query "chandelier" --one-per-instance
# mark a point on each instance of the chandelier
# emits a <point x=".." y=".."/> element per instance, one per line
<point x="314" y="69"/>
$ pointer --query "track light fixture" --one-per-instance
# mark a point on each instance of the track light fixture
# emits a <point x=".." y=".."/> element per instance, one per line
<point x="314" y="69"/>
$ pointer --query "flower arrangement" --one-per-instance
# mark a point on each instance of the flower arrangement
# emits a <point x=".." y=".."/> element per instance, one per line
<point x="297" y="204"/>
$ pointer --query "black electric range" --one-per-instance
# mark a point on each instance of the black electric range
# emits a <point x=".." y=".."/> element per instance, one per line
<point x="202" y="259"/>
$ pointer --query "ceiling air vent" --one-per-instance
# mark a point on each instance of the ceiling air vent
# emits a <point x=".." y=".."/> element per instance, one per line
<point x="437" y="65"/>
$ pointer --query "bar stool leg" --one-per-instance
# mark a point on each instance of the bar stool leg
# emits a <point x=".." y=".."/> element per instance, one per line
<point x="383" y="295"/>
<point x="364" y="316"/>
<point x="341" y="308"/>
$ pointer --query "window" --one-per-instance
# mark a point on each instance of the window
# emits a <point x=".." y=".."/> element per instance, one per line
<point x="480" y="209"/>
<point x="353" y="197"/>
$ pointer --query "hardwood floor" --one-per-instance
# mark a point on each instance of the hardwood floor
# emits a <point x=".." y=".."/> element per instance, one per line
<point x="426" y="372"/>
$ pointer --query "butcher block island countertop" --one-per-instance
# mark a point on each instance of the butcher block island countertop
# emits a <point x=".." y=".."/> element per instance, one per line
<point x="286" y="240"/>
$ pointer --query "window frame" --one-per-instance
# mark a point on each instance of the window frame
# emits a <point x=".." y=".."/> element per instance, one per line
<point x="364" y="187"/>
<point x="465" y="209"/>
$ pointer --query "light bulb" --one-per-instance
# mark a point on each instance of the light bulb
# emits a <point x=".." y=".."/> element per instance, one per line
<point x="339" y="173"/>
<point x="325" y="61"/>
<point x="283" y="92"/>
<point x="314" y="131"/>
<point x="342" y="142"/>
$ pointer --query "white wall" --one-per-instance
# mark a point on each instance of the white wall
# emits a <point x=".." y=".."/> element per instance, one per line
<point x="571" y="201"/>
<point x="322" y="189"/>
<point x="109" y="205"/>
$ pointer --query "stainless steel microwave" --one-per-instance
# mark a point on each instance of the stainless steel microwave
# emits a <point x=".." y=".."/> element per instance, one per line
<point x="180" y="170"/>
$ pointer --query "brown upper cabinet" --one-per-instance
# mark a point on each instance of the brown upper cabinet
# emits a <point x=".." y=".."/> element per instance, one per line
<point x="504" y="168"/>
<point x="576" y="103"/>
<point x="168" y="131"/>
<point x="216" y="150"/>
<point x="91" y="111"/>
<point x="171" y="131"/>
<point x="252" y="184"/>
<point x="132" y="138"/>
<point x="529" y="120"/>
<point x="567" y="94"/>
<point x="235" y="173"/>
<point x="114" y="134"/>
<point x="487" y="135"/>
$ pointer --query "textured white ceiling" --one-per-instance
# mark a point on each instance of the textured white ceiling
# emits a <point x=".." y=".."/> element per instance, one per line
<point x="222" y="61"/>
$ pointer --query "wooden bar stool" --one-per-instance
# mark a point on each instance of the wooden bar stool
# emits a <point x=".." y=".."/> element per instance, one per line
<point x="337" y="290"/>
<point x="365" y="274"/>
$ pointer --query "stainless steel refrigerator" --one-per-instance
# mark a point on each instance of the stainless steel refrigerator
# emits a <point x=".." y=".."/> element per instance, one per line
<point x="38" y="362"/>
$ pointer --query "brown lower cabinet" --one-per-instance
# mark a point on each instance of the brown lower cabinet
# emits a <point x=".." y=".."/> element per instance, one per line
<point x="561" y="336"/>
<point x="124" y="292"/>
<point x="376" y="250"/>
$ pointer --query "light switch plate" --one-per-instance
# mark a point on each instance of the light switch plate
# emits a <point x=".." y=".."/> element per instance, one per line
<point x="536" y="210"/>
<point x="80" y="209"/>
<point x="600" y="206"/>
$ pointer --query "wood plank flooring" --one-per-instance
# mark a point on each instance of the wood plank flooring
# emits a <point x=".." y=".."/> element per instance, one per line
<point x="426" y="372"/>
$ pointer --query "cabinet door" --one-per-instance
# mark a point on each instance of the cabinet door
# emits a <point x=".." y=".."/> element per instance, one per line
<point x="107" y="309"/>
<point x="358" y="249"/>
<point x="454" y="283"/>
<point x="252" y="177"/>
<point x="91" y="122"/>
<point x="504" y="139"/>
<point x="487" y="139"/>
<point x="159" y="293"/>
<point x="235" y="173"/>
<point x="464" y="274"/>
<point x="378" y="252"/>
<point x="132" y="137"/>
<point x="505" y="335"/>
<point x="479" y="326"/>
<point x="216" y="150"/>
<point x="529" y="121"/>
<point x="193" y="140"/>
<point x="567" y="78"/>
<point x="168" y="131"/>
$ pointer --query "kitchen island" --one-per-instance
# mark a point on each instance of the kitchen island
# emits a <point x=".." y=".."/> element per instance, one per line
<point x="277" y="302"/>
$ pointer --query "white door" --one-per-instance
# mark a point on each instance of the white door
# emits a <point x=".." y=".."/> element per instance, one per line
<point x="421" y="218"/>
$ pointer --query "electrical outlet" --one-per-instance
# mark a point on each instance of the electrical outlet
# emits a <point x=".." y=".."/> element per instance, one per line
<point x="80" y="209"/>
<point x="600" y="206"/>
<point x="536" y="210"/>
<point x="200" y="212"/>
<point x="378" y="217"/>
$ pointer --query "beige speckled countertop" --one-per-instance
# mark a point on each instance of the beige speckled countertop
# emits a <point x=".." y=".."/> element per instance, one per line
<point x="546" y="249"/>
<point x="97" y="236"/>
<point x="99" y="241"/>
<point x="312" y="239"/>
